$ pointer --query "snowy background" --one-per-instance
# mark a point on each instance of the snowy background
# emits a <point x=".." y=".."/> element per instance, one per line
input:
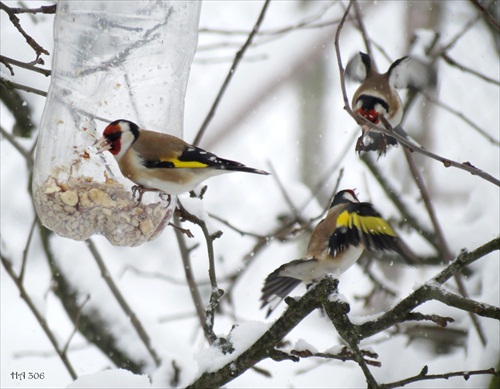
<point x="261" y="122"/>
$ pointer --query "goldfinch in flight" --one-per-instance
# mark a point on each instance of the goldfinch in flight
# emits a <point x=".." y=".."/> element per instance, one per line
<point x="335" y="245"/>
<point x="161" y="162"/>
<point x="377" y="96"/>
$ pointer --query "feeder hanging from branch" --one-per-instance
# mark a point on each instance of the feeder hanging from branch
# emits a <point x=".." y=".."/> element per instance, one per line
<point x="112" y="60"/>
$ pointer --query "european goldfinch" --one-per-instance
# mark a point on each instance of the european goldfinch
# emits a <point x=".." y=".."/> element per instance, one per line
<point x="161" y="162"/>
<point x="376" y="97"/>
<point x="335" y="245"/>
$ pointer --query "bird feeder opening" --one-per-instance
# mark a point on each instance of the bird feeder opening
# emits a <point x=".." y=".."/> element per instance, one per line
<point x="111" y="60"/>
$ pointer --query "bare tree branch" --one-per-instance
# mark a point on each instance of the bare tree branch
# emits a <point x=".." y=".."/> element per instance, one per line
<point x="216" y="293"/>
<point x="237" y="59"/>
<point x="7" y="264"/>
<point x="14" y="85"/>
<point x="423" y="376"/>
<point x="461" y="116"/>
<point x="29" y="66"/>
<point x="344" y="355"/>
<point x="486" y="14"/>
<point x="39" y="50"/>
<point x="44" y="9"/>
<point x="421" y="295"/>
<point x="193" y="287"/>
<point x="266" y="344"/>
<point x="136" y="323"/>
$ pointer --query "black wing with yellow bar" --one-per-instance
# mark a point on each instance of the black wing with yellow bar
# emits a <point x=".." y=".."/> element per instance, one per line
<point x="361" y="224"/>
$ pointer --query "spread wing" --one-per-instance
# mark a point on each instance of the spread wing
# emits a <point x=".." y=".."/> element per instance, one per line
<point x="361" y="224"/>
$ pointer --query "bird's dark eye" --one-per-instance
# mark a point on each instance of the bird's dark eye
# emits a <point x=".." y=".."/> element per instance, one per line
<point x="114" y="136"/>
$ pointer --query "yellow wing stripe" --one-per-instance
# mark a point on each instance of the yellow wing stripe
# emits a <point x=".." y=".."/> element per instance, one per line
<point x="367" y="224"/>
<point x="186" y="164"/>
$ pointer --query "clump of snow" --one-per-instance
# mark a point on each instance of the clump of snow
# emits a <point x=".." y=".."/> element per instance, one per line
<point x="241" y="338"/>
<point x="358" y="320"/>
<point x="335" y="350"/>
<point x="196" y="208"/>
<point x="303" y="345"/>
<point x="432" y="284"/>
<point x="337" y="298"/>
<point x="115" y="378"/>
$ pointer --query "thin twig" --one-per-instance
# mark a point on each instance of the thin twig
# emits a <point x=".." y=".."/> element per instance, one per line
<point x="39" y="50"/>
<point x="393" y="194"/>
<point x="216" y="293"/>
<point x="377" y="285"/>
<point x="284" y="192"/>
<point x="44" y="9"/>
<point x="77" y="324"/>
<point x="339" y="58"/>
<point x="422" y="294"/>
<point x="444" y="248"/>
<point x="14" y="85"/>
<point x="7" y="264"/>
<point x="25" y="65"/>
<point x="467" y="166"/>
<point x="461" y="116"/>
<point x="450" y="61"/>
<point x="423" y="376"/>
<point x="344" y="355"/>
<point x="486" y="14"/>
<point x="361" y="25"/>
<point x="237" y="59"/>
<point x="236" y="229"/>
<point x="26" y="248"/>
<point x="122" y="302"/>
<point x="160" y="276"/>
<point x="459" y="35"/>
<point x="306" y="23"/>
<point x="475" y="321"/>
<point x="193" y="287"/>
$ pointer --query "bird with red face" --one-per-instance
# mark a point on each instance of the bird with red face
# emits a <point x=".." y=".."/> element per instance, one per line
<point x="160" y="162"/>
<point x="377" y="97"/>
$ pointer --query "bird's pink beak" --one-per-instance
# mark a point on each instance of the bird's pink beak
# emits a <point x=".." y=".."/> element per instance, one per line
<point x="101" y="145"/>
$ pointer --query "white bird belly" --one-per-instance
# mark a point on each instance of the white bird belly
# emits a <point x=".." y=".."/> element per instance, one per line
<point x="311" y="270"/>
<point x="191" y="179"/>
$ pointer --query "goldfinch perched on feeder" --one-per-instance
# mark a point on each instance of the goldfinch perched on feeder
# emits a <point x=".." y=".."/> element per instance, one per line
<point x="335" y="245"/>
<point x="161" y="162"/>
<point x="377" y="96"/>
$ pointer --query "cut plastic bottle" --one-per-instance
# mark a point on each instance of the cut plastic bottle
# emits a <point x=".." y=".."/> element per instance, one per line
<point x="112" y="60"/>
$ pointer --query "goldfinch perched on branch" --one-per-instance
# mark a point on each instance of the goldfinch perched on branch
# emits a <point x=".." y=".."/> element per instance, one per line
<point x="335" y="245"/>
<point x="161" y="162"/>
<point x="377" y="96"/>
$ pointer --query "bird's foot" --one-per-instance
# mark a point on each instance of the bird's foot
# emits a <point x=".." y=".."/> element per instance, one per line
<point x="360" y="146"/>
<point x="382" y="146"/>
<point x="138" y="191"/>
<point x="166" y="197"/>
<point x="377" y="142"/>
